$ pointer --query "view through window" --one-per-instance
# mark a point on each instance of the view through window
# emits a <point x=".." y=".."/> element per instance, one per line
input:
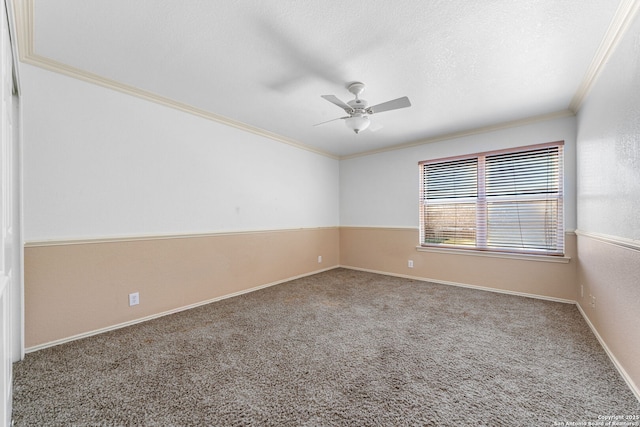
<point x="508" y="200"/>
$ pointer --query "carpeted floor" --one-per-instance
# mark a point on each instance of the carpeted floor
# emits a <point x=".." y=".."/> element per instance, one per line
<point x="340" y="348"/>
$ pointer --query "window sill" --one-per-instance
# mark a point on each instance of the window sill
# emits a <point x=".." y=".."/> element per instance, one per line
<point x="470" y="252"/>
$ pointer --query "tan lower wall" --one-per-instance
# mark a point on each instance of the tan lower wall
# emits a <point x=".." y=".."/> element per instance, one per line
<point x="611" y="273"/>
<point x="388" y="250"/>
<point x="73" y="288"/>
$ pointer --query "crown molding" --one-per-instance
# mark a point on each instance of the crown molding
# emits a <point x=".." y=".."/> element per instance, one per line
<point x="621" y="21"/>
<point x="24" y="13"/>
<point x="24" y="18"/>
<point x="470" y="132"/>
<point x="76" y="73"/>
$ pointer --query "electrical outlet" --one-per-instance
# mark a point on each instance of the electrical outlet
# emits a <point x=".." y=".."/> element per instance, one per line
<point x="319" y="259"/>
<point x="593" y="302"/>
<point x="134" y="299"/>
<point x="581" y="291"/>
<point x="410" y="263"/>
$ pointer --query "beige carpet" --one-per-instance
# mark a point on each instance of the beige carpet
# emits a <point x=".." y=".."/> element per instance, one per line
<point x="341" y="348"/>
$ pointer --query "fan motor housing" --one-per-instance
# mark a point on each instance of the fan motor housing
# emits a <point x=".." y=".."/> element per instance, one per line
<point x="358" y="104"/>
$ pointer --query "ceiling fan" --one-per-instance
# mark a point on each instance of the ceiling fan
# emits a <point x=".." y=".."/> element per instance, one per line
<point x="358" y="110"/>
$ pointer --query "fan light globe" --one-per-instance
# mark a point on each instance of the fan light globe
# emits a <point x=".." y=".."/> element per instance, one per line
<point x="357" y="123"/>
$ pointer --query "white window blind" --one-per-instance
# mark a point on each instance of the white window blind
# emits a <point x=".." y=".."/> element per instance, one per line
<point x="503" y="201"/>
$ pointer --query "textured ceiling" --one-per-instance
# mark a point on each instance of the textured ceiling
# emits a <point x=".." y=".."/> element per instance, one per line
<point x="463" y="64"/>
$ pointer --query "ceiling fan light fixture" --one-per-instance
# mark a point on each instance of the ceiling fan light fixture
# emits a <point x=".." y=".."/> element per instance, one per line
<point x="357" y="123"/>
<point x="358" y="110"/>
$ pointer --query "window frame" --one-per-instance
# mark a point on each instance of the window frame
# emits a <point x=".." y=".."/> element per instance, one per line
<point x="481" y="202"/>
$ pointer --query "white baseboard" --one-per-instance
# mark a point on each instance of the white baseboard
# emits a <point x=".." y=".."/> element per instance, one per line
<point x="634" y="388"/>
<point x="464" y="285"/>
<point x="168" y="312"/>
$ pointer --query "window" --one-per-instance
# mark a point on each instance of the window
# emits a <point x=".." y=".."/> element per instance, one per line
<point x="509" y="200"/>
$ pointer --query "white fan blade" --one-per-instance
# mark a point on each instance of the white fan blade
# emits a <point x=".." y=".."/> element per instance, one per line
<point x="300" y="60"/>
<point x="332" y="120"/>
<point x="334" y="100"/>
<point x="390" y="105"/>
